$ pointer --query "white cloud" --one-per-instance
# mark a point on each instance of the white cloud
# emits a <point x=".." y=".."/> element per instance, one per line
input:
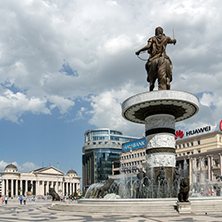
<point x="98" y="39"/>
<point x="3" y="164"/>
<point x="106" y="111"/>
<point x="25" y="167"/>
<point x="13" y="105"/>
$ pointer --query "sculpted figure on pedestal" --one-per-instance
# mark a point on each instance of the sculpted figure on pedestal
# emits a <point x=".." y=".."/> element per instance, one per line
<point x="184" y="190"/>
<point x="159" y="65"/>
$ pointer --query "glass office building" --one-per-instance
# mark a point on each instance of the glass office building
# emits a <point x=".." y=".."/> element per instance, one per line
<point x="101" y="148"/>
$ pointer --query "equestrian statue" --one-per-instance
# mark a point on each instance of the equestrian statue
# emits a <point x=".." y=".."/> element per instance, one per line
<point x="159" y="65"/>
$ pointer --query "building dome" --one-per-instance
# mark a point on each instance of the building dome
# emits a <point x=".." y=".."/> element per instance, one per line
<point x="11" y="168"/>
<point x="72" y="173"/>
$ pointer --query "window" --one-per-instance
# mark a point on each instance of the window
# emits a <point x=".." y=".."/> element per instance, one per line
<point x="175" y="147"/>
<point x="198" y="142"/>
<point x="188" y="144"/>
<point x="180" y="154"/>
<point x="184" y="154"/>
<point x="192" y="152"/>
<point x="199" y="151"/>
<point x="138" y="154"/>
<point x="179" y="146"/>
<point x="183" y="145"/>
<point x="188" y="153"/>
<point x="191" y="143"/>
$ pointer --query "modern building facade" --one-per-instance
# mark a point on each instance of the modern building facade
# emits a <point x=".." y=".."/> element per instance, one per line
<point x="38" y="182"/>
<point x="202" y="154"/>
<point x="101" y="148"/>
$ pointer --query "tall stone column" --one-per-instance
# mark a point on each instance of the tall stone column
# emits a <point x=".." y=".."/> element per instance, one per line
<point x="212" y="163"/>
<point x="220" y="157"/>
<point x="26" y="187"/>
<point x="160" y="140"/>
<point x="3" y="187"/>
<point x="67" y="192"/>
<point x="209" y="167"/>
<point x="16" y="188"/>
<point x="20" y="188"/>
<point x="12" y="188"/>
<point x="7" y="188"/>
<point x="159" y="110"/>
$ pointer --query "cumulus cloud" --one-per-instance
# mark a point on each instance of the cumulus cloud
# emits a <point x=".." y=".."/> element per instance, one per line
<point x="106" y="111"/>
<point x="54" y="52"/>
<point x="13" y="105"/>
<point x="26" y="167"/>
<point x="3" y="164"/>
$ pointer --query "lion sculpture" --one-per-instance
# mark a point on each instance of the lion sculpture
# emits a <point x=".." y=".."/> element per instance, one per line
<point x="184" y="190"/>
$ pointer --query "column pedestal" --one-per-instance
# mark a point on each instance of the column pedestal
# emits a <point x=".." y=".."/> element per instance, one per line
<point x="159" y="110"/>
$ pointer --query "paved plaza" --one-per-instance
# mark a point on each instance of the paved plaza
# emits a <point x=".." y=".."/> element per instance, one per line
<point x="38" y="211"/>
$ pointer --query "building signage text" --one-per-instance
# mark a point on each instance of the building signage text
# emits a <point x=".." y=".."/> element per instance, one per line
<point x="134" y="144"/>
<point x="200" y="130"/>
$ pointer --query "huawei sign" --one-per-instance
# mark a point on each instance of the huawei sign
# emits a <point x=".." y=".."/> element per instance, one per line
<point x="220" y="125"/>
<point x="179" y="134"/>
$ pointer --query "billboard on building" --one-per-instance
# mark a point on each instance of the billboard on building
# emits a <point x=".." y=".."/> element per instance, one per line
<point x="134" y="144"/>
<point x="179" y="134"/>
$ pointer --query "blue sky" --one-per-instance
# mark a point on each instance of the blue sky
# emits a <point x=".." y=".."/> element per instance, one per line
<point x="66" y="67"/>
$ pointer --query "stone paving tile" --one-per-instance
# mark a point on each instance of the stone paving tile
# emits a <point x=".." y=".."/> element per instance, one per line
<point x="37" y="212"/>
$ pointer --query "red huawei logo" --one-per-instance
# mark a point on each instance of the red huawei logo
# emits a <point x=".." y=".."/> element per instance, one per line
<point x="179" y="134"/>
<point x="220" y="126"/>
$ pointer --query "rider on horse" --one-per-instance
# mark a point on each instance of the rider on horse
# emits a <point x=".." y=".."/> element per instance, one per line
<point x="159" y="64"/>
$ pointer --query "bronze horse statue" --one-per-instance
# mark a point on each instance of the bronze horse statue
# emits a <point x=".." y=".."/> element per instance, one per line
<point x="159" y="65"/>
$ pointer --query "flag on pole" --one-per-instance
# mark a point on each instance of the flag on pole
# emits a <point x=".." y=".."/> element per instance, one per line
<point x="11" y="160"/>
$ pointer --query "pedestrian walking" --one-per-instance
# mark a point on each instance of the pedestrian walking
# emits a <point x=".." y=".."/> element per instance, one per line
<point x="3" y="199"/>
<point x="20" y="199"/>
<point x="24" y="200"/>
<point x="6" y="199"/>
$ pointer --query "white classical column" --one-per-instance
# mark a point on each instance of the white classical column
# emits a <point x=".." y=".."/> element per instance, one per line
<point x="3" y="187"/>
<point x="194" y="170"/>
<point x="212" y="163"/>
<point x="47" y="187"/>
<point x="201" y="169"/>
<point x="220" y="157"/>
<point x="26" y="187"/>
<point x="56" y="187"/>
<point x="16" y="188"/>
<point x="66" y="188"/>
<point x="191" y="170"/>
<point x="63" y="188"/>
<point x="70" y="188"/>
<point x="6" y="187"/>
<point x="20" y="192"/>
<point x="12" y="188"/>
<point x="209" y="167"/>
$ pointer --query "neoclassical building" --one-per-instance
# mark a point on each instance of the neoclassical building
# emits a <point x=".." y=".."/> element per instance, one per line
<point x="38" y="182"/>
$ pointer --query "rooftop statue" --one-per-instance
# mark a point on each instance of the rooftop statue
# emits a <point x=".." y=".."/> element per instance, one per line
<point x="159" y="65"/>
